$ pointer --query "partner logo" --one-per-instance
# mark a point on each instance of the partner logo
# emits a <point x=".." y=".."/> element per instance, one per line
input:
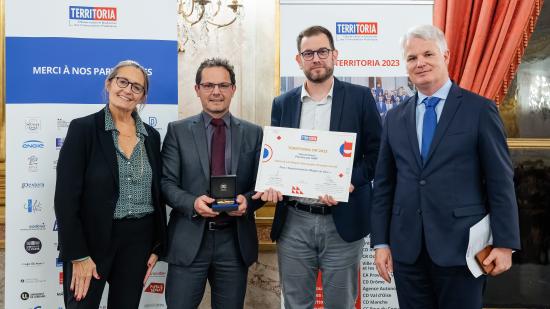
<point x="33" y="125"/>
<point x="33" y="144"/>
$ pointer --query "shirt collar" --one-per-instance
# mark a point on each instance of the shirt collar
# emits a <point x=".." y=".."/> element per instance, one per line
<point x="305" y="94"/>
<point x="441" y="93"/>
<point x="207" y="119"/>
<point x="110" y="124"/>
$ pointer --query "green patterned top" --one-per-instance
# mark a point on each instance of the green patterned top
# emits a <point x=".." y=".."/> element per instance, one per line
<point x="135" y="175"/>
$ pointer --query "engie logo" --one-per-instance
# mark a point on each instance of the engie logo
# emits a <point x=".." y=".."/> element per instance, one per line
<point x="33" y="144"/>
<point x="92" y="13"/>
<point x="309" y="138"/>
<point x="357" y="28"/>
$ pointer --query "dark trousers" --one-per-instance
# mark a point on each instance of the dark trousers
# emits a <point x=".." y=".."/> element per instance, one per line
<point x="124" y="268"/>
<point x="426" y="285"/>
<point x="219" y="261"/>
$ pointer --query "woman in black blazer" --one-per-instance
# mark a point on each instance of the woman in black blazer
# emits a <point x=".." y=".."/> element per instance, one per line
<point x="111" y="217"/>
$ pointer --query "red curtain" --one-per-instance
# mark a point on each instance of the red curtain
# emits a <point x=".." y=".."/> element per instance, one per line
<point x="486" y="39"/>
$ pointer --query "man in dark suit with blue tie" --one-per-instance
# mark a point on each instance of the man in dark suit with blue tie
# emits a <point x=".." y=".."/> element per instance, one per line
<point x="322" y="234"/>
<point x="443" y="165"/>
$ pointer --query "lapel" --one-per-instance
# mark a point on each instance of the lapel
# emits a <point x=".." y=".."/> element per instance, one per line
<point x="410" y="122"/>
<point x="151" y="155"/>
<point x="199" y="135"/>
<point x="295" y="109"/>
<point x="449" y="110"/>
<point x="337" y="105"/>
<point x="236" y="138"/>
<point x="107" y="145"/>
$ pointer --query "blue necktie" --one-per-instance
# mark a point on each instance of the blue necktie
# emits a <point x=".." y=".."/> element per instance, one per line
<point x="428" y="126"/>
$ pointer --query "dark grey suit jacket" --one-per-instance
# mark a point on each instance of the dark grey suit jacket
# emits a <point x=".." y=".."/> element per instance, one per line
<point x="186" y="176"/>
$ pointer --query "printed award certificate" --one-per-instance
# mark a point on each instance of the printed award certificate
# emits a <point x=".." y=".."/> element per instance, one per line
<point x="306" y="163"/>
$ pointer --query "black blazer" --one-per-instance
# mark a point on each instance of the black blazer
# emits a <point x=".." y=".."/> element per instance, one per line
<point x="87" y="189"/>
<point x="353" y="110"/>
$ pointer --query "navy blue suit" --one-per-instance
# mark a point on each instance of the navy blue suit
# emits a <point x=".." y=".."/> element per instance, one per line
<point x="353" y="110"/>
<point x="426" y="210"/>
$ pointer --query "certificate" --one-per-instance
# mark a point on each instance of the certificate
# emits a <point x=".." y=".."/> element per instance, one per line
<point x="306" y="163"/>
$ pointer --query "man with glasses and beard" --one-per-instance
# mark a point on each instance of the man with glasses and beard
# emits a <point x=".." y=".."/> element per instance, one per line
<point x="321" y="234"/>
<point x="204" y="244"/>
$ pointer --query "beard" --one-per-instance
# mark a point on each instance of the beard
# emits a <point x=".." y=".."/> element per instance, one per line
<point x="319" y="77"/>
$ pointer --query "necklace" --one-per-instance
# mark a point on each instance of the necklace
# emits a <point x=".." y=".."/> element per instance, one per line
<point x="141" y="164"/>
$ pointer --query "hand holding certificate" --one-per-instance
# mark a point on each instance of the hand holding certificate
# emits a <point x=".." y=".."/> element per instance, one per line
<point x="306" y="163"/>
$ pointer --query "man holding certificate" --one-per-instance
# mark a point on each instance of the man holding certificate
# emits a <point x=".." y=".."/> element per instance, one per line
<point x="209" y="170"/>
<point x="322" y="234"/>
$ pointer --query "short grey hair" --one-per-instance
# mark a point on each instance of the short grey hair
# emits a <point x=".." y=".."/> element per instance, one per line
<point x="428" y="33"/>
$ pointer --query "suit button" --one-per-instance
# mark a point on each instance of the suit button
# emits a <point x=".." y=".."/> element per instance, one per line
<point x="419" y="211"/>
<point x="422" y="182"/>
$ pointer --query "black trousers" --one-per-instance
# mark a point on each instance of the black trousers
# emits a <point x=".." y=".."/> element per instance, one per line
<point x="124" y="268"/>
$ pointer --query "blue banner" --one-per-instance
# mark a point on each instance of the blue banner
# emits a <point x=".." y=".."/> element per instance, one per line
<point x="73" y="70"/>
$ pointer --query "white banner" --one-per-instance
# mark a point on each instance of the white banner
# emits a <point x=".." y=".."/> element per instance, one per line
<point x="58" y="55"/>
<point x="366" y="35"/>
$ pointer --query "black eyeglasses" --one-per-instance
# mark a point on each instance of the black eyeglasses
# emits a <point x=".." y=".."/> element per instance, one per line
<point x="208" y="87"/>
<point x="322" y="53"/>
<point x="124" y="82"/>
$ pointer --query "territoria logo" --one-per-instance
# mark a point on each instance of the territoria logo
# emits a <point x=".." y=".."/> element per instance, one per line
<point x="92" y="13"/>
<point x="309" y="138"/>
<point x="356" y="30"/>
<point x="360" y="28"/>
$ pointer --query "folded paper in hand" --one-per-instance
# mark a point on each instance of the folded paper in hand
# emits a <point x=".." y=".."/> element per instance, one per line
<point x="480" y="238"/>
